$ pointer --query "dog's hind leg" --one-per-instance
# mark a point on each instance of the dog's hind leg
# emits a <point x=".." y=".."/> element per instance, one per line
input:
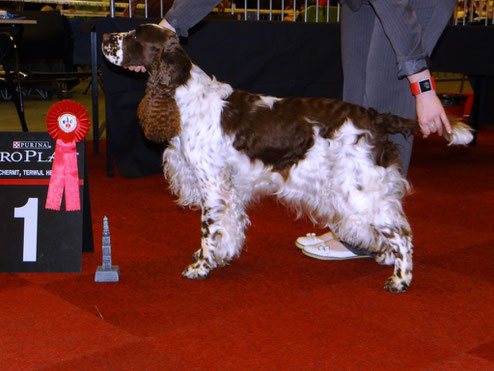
<point x="367" y="199"/>
<point x="223" y="223"/>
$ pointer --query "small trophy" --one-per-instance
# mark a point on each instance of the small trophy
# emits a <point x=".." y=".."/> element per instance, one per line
<point x="107" y="272"/>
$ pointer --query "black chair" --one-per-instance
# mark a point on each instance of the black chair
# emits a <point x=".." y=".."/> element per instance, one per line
<point x="46" y="51"/>
<point x="9" y="38"/>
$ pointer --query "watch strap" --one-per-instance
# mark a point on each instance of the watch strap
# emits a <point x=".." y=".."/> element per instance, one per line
<point x="423" y="85"/>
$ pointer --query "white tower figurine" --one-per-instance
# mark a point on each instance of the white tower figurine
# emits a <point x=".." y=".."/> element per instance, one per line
<point x="107" y="272"/>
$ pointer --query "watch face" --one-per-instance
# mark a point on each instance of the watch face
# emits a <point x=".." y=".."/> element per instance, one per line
<point x="425" y="85"/>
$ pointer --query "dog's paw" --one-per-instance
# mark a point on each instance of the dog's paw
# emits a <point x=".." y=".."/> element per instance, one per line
<point x="396" y="285"/>
<point x="196" y="271"/>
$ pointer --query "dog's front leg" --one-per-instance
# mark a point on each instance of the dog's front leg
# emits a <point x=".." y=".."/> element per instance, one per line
<point x="223" y="223"/>
<point x="204" y="258"/>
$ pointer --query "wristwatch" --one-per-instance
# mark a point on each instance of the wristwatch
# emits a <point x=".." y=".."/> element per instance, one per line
<point x="422" y="86"/>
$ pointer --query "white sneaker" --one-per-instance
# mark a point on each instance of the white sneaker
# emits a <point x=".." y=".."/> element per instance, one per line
<point x="323" y="251"/>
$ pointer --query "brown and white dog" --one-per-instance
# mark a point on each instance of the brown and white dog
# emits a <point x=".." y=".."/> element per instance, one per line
<point x="325" y="158"/>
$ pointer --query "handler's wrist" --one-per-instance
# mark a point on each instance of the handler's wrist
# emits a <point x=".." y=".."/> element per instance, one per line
<point x="423" y="85"/>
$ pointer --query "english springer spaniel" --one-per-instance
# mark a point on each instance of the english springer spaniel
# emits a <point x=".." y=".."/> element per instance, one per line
<point x="325" y="158"/>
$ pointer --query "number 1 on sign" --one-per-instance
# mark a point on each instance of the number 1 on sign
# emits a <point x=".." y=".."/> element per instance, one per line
<point x="30" y="214"/>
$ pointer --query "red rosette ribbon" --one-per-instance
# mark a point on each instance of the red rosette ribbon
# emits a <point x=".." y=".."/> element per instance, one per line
<point x="67" y="122"/>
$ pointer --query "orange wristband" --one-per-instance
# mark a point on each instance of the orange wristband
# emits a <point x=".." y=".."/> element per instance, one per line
<point x="422" y="86"/>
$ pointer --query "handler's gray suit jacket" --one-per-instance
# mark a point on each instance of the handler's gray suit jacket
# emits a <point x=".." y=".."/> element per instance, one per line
<point x="397" y="17"/>
<point x="383" y="41"/>
<point x="403" y="29"/>
<point x="184" y="14"/>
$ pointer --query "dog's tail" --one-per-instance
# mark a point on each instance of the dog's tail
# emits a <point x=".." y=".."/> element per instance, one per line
<point x="461" y="133"/>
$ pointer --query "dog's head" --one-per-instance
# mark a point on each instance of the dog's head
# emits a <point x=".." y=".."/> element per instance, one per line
<point x="149" y="45"/>
<point x="158" y="50"/>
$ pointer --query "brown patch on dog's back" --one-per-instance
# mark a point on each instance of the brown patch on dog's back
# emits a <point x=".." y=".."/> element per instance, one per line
<point x="277" y="136"/>
<point x="282" y="134"/>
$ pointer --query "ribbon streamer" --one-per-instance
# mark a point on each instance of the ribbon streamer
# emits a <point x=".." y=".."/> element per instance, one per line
<point x="67" y="122"/>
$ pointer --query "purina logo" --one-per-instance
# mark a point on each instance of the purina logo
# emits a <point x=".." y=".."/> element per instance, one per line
<point x="31" y="144"/>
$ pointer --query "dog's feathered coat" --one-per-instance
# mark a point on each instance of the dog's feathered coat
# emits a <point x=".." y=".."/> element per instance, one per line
<point x="322" y="157"/>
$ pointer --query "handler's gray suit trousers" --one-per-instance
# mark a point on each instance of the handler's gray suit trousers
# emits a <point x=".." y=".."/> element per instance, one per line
<point x="370" y="69"/>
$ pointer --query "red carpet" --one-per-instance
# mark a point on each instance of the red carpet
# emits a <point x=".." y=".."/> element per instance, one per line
<point x="273" y="308"/>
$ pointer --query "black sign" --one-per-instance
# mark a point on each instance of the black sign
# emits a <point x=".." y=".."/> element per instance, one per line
<point x="33" y="238"/>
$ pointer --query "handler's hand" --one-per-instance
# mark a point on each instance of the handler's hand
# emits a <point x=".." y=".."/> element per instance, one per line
<point x="164" y="23"/>
<point x="430" y="114"/>
<point x="136" y="68"/>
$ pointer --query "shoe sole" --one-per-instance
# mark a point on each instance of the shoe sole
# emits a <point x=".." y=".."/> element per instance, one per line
<point x="315" y="256"/>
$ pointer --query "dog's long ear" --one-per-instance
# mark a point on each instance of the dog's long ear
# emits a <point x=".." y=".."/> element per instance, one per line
<point x="158" y="112"/>
<point x="172" y="66"/>
<point x="176" y="66"/>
